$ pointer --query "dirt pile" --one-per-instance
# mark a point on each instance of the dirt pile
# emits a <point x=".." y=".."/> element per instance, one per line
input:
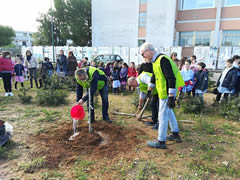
<point x="106" y="140"/>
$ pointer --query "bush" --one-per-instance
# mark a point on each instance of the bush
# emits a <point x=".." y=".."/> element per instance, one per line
<point x="23" y="96"/>
<point x="231" y="109"/>
<point x="51" y="97"/>
<point x="192" y="105"/>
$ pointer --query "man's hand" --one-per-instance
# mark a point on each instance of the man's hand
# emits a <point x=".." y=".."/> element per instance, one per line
<point x="80" y="102"/>
<point x="139" y="107"/>
<point x="171" y="102"/>
<point x="149" y="94"/>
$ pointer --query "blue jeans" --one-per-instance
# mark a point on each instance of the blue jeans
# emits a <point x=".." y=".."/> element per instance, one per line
<point x="104" y="96"/>
<point x="166" y="114"/>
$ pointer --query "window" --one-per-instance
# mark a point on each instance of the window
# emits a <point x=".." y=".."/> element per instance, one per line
<point x="140" y="42"/>
<point x="142" y="19"/>
<point x="24" y="43"/>
<point x="198" y="38"/>
<point x="186" y="39"/>
<point x="143" y="1"/>
<point x="232" y="2"/>
<point x="196" y="4"/>
<point x="202" y="38"/>
<point x="231" y="38"/>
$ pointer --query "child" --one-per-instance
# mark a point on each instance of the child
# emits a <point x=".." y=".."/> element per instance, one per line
<point x="227" y="81"/>
<point x="188" y="77"/>
<point x="19" y="73"/>
<point x="123" y="76"/>
<point x="132" y="73"/>
<point x="115" y="79"/>
<point x="201" y="78"/>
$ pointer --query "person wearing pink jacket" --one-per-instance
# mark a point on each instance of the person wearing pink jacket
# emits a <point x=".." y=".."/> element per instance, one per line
<point x="6" y="68"/>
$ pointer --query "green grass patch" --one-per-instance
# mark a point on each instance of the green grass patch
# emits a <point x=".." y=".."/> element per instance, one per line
<point x="8" y="151"/>
<point x="82" y="168"/>
<point x="33" y="165"/>
<point x="29" y="113"/>
<point x="49" y="116"/>
<point x="52" y="175"/>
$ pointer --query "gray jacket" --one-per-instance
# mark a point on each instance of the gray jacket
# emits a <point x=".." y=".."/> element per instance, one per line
<point x="33" y="63"/>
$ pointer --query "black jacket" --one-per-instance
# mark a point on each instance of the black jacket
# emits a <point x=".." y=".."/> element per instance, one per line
<point x="230" y="79"/>
<point x="238" y="80"/>
<point x="201" y="80"/>
<point x="146" y="67"/>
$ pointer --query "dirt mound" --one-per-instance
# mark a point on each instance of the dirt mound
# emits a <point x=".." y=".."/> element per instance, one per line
<point x="106" y="140"/>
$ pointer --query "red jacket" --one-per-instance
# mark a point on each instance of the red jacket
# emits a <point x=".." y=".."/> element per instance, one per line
<point x="132" y="72"/>
<point x="6" y="64"/>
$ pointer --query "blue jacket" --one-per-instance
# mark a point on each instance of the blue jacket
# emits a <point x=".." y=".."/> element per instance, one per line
<point x="18" y="69"/>
<point x="230" y="80"/>
<point x="201" y="80"/>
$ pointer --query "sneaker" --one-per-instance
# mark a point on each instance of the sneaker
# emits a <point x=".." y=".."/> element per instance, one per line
<point x="175" y="138"/>
<point x="155" y="127"/>
<point x="11" y="94"/>
<point x="107" y="120"/>
<point x="156" y="144"/>
<point x="150" y="123"/>
<point x="6" y="94"/>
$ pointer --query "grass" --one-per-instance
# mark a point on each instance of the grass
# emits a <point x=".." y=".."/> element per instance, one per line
<point x="81" y="169"/>
<point x="52" y="175"/>
<point x="7" y="151"/>
<point x="30" y="113"/>
<point x="49" y="116"/>
<point x="33" y="165"/>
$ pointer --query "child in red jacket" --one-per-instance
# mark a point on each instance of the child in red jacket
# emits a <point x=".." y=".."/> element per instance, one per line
<point x="6" y="68"/>
<point x="132" y="72"/>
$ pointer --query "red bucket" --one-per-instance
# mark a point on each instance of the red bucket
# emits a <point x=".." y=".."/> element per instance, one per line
<point x="77" y="112"/>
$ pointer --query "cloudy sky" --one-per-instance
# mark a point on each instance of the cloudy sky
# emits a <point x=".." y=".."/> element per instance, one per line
<point x="22" y="14"/>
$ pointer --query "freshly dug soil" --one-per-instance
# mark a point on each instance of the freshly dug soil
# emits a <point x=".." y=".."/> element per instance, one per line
<point x="106" y="140"/>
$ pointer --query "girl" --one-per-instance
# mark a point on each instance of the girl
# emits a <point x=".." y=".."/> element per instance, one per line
<point x="194" y="64"/>
<point x="19" y="73"/>
<point x="123" y="76"/>
<point x="201" y="78"/>
<point x="32" y="65"/>
<point x="227" y="81"/>
<point x="115" y="79"/>
<point x="6" y="68"/>
<point x="188" y="77"/>
<point x="132" y="73"/>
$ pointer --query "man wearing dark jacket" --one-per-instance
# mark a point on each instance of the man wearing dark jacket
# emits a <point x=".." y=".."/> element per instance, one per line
<point x="95" y="79"/>
<point x="167" y="79"/>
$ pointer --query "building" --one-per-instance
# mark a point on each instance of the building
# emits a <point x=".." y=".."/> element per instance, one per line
<point x="166" y="23"/>
<point x="23" y="38"/>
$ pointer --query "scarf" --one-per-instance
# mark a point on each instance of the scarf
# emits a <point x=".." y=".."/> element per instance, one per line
<point x="29" y="58"/>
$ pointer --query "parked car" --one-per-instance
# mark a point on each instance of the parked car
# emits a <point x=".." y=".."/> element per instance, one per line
<point x="108" y="58"/>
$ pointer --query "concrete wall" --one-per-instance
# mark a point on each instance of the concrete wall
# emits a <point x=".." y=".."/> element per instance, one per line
<point x="115" y="23"/>
<point x="161" y="22"/>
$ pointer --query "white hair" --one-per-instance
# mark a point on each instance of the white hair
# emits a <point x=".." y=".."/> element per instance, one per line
<point x="147" y="46"/>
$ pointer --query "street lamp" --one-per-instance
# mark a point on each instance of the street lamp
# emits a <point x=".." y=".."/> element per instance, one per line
<point x="52" y="32"/>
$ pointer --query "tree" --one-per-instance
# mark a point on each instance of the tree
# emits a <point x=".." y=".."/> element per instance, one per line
<point x="71" y="19"/>
<point x="7" y="35"/>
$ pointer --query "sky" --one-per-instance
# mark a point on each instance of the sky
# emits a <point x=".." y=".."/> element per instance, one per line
<point x="21" y="15"/>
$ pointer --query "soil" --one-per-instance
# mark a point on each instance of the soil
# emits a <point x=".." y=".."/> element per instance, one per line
<point x="105" y="141"/>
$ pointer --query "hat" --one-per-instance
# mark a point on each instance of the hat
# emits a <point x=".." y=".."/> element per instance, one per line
<point x="3" y="136"/>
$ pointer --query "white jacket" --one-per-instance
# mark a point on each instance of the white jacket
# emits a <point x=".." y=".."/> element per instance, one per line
<point x="33" y="63"/>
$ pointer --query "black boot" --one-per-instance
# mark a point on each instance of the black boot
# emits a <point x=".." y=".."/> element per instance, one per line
<point x="40" y="82"/>
<point x="22" y="85"/>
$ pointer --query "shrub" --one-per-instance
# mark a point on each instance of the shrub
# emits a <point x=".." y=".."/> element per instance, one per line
<point x="192" y="105"/>
<point x="23" y="96"/>
<point x="231" y="109"/>
<point x="51" y="97"/>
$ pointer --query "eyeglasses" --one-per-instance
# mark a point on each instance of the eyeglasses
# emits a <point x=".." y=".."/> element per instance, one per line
<point x="143" y="53"/>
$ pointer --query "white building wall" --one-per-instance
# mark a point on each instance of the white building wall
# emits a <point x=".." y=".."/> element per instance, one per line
<point x="115" y="23"/>
<point x="161" y="22"/>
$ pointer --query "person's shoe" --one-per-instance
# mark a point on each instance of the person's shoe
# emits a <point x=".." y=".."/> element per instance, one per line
<point x="175" y="138"/>
<point x="6" y="94"/>
<point x="11" y="94"/>
<point x="150" y="123"/>
<point x="156" y="144"/>
<point x="107" y="120"/>
<point x="155" y="127"/>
